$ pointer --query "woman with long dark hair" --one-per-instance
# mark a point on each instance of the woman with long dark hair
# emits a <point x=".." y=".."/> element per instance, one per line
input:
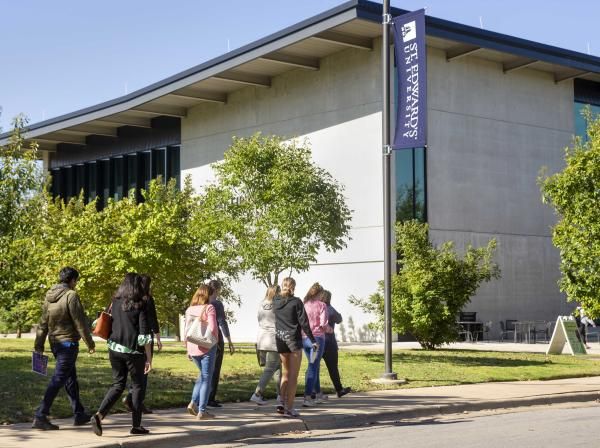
<point x="290" y="319"/>
<point x="128" y="341"/>
<point x="146" y="281"/>
<point x="316" y="311"/>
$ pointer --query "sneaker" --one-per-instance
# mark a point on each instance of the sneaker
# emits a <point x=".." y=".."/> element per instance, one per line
<point x="205" y="415"/>
<point x="96" y="425"/>
<point x="140" y="431"/>
<point x="258" y="399"/>
<point x="214" y="404"/>
<point x="82" y="419"/>
<point x="344" y="391"/>
<point x="320" y="399"/>
<point x="192" y="408"/>
<point x="44" y="424"/>
<point x="128" y="403"/>
<point x="308" y="402"/>
<point x="280" y="409"/>
<point x="291" y="413"/>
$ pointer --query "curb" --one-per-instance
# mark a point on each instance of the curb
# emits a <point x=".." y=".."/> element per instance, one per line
<point x="342" y="421"/>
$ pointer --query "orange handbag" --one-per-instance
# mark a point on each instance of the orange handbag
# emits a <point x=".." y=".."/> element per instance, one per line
<point x="103" y="324"/>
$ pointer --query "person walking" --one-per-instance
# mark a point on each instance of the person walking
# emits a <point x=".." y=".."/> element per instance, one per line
<point x="290" y="319"/>
<point x="200" y="308"/>
<point x="129" y="339"/>
<point x="316" y="312"/>
<point x="216" y="286"/>
<point x="330" y="353"/>
<point x="64" y="323"/>
<point x="266" y="345"/>
<point x="582" y="322"/>
<point x="154" y="332"/>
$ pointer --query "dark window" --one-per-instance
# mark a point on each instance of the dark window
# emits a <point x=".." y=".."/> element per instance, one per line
<point x="159" y="163"/>
<point x="115" y="177"/>
<point x="587" y="93"/>
<point x="173" y="167"/>
<point x="410" y="177"/>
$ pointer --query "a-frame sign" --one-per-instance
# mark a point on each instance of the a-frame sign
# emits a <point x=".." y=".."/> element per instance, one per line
<point x="566" y="337"/>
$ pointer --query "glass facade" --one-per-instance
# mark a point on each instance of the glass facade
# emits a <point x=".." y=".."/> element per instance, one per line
<point x="411" y="184"/>
<point x="116" y="176"/>
<point x="580" y="121"/>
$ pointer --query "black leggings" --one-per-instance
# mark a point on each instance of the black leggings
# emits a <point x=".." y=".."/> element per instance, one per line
<point x="123" y="363"/>
<point x="330" y="355"/>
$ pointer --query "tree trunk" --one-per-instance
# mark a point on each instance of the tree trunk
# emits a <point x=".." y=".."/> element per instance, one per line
<point x="19" y="332"/>
<point x="177" y="329"/>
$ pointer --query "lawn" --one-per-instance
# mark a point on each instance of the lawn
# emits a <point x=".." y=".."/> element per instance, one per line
<point x="171" y="381"/>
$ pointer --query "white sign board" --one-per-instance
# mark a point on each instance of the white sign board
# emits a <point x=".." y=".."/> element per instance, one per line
<point x="566" y="334"/>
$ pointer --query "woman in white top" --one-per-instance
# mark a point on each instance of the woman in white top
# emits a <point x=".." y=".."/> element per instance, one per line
<point x="267" y="348"/>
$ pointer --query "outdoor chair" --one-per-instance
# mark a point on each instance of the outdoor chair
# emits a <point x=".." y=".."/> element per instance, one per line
<point x="462" y="331"/>
<point x="541" y="328"/>
<point x="506" y="328"/>
<point x="486" y="329"/>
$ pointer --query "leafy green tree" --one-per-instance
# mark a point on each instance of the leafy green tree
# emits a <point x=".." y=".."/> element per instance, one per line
<point x="432" y="285"/>
<point x="22" y="200"/>
<point x="574" y="193"/>
<point x="159" y="236"/>
<point x="273" y="208"/>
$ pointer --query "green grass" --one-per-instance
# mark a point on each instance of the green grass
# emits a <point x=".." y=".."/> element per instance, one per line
<point x="171" y="382"/>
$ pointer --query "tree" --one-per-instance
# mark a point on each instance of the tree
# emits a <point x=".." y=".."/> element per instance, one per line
<point x="432" y="285"/>
<point x="273" y="208"/>
<point x="22" y="200"/>
<point x="574" y="193"/>
<point x="159" y="236"/>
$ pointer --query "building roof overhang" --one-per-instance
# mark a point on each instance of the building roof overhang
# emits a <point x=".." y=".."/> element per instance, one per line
<point x="354" y="24"/>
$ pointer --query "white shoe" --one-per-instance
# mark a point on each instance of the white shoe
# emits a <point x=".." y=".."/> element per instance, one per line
<point x="308" y="402"/>
<point x="291" y="413"/>
<point x="320" y="399"/>
<point x="258" y="399"/>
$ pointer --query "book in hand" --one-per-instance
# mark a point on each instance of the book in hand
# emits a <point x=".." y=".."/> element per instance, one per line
<point x="39" y="363"/>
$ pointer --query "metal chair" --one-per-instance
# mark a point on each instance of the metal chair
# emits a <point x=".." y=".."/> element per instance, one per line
<point x="541" y="328"/>
<point x="462" y="331"/>
<point x="486" y="329"/>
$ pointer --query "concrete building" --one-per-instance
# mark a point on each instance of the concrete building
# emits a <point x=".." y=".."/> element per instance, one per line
<point x="499" y="108"/>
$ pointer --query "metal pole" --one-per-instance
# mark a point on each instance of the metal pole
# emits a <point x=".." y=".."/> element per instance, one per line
<point x="387" y="221"/>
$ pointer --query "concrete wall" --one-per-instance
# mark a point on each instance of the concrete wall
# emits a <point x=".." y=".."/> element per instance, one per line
<point x="489" y="135"/>
<point x="338" y="109"/>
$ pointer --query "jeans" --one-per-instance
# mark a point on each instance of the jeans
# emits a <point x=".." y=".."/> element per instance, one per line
<point x="206" y="365"/>
<point x="330" y="356"/>
<point x="65" y="375"/>
<point x="272" y="369"/>
<point x="311" y="379"/>
<point x="123" y="363"/>
<point x="214" y="383"/>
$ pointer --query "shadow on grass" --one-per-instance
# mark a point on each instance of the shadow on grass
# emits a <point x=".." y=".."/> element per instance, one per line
<point x="456" y="360"/>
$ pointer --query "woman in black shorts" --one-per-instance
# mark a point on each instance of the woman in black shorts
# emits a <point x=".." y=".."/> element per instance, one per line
<point x="290" y="320"/>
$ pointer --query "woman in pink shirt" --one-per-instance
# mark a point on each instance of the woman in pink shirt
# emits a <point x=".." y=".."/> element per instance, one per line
<point x="318" y="319"/>
<point x="203" y="358"/>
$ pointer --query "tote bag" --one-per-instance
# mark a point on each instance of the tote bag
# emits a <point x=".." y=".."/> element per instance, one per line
<point x="198" y="332"/>
<point x="104" y="324"/>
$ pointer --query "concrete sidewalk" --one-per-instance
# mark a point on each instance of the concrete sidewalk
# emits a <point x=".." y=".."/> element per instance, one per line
<point x="175" y="428"/>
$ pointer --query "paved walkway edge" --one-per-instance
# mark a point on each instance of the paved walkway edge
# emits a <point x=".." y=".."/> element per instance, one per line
<point x="344" y="421"/>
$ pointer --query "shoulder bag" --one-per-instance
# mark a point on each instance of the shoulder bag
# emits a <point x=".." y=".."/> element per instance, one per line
<point x="198" y="332"/>
<point x="104" y="324"/>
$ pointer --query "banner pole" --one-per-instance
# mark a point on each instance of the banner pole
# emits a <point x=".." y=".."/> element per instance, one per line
<point x="387" y="221"/>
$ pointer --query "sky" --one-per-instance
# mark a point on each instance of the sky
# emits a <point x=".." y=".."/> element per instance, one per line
<point x="62" y="55"/>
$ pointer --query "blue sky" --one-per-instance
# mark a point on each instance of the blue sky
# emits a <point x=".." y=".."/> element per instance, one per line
<point x="62" y="55"/>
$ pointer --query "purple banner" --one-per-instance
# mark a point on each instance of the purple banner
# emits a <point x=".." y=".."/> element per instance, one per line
<point x="411" y="66"/>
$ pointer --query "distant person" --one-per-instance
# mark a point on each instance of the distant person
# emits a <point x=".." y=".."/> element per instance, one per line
<point x="266" y="345"/>
<point x="316" y="311"/>
<point x="582" y="323"/>
<point x="290" y="319"/>
<point x="154" y="332"/>
<point x="216" y="286"/>
<point x="128" y="341"/>
<point x="64" y="322"/>
<point x="200" y="308"/>
<point x="330" y="354"/>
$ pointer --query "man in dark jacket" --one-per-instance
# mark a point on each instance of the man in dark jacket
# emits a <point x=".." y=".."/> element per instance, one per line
<point x="64" y="322"/>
